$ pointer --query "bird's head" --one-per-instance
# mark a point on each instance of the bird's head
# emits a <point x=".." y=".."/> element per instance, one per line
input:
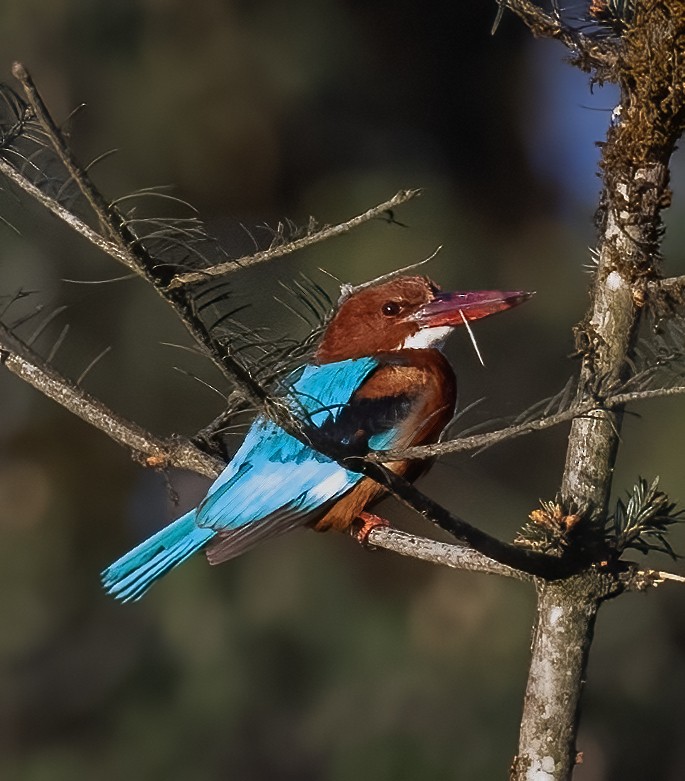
<point x="404" y="313"/>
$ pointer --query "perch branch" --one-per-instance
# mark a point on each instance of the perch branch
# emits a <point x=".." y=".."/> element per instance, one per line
<point x="455" y="556"/>
<point x="177" y="452"/>
<point x="541" y="565"/>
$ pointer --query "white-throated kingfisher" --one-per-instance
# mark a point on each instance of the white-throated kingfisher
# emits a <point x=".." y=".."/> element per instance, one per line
<point x="378" y="381"/>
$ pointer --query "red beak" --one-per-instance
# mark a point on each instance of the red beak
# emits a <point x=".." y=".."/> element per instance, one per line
<point x="451" y="309"/>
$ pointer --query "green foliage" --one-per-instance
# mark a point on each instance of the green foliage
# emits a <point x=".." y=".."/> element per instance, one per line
<point x="643" y="523"/>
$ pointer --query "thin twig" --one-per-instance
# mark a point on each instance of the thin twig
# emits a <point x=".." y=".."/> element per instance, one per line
<point x="151" y="450"/>
<point x="328" y="232"/>
<point x="478" y="441"/>
<point x="665" y="577"/>
<point x="593" y="52"/>
<point x="348" y="289"/>
<point x="97" y="203"/>
<point x="635" y="579"/>
<point x="66" y="216"/>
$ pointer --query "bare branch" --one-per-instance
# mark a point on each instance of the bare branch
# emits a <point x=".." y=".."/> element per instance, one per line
<point x="479" y="441"/>
<point x="66" y="216"/>
<point x="97" y="203"/>
<point x="455" y="556"/>
<point x="272" y="253"/>
<point x="542" y="565"/>
<point x="148" y="449"/>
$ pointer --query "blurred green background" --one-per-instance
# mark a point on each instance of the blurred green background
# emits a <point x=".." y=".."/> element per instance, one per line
<point x="310" y="658"/>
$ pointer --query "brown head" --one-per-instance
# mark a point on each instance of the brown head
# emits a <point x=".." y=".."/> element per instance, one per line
<point x="406" y="312"/>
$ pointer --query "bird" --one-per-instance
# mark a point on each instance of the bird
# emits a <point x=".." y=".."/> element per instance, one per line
<point x="377" y="381"/>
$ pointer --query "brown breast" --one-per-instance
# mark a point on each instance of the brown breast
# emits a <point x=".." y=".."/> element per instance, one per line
<point x="427" y="375"/>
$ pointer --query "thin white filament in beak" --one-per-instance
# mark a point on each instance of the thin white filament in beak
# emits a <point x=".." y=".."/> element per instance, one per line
<point x="472" y="337"/>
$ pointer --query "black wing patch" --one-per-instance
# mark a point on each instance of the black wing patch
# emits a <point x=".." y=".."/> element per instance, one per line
<point x="360" y="421"/>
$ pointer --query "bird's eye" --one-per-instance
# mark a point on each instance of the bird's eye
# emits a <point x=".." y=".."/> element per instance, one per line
<point x="391" y="308"/>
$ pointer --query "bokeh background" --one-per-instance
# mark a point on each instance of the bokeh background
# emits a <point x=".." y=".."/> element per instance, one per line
<point x="310" y="658"/>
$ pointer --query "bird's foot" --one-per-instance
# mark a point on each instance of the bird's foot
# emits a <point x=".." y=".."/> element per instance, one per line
<point x="365" y="524"/>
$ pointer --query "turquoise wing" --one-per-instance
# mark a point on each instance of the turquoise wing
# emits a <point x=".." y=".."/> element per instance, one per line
<point x="276" y="480"/>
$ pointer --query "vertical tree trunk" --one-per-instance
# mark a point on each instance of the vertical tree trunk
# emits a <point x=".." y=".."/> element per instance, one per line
<point x="566" y="613"/>
<point x="650" y="70"/>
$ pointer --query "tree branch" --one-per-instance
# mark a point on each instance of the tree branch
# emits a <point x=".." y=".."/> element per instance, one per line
<point x="589" y="52"/>
<point x="98" y="204"/>
<point x="272" y="253"/>
<point x="480" y="441"/>
<point x="541" y="565"/>
<point x="636" y="579"/>
<point x="145" y="447"/>
<point x="455" y="556"/>
<point x="11" y="173"/>
<point x="129" y="249"/>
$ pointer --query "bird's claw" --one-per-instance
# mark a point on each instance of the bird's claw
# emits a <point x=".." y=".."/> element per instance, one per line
<point x="365" y="524"/>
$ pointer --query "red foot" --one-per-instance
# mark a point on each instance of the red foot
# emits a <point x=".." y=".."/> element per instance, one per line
<point x="365" y="524"/>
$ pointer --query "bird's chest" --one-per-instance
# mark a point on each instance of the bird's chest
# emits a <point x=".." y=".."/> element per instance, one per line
<point x="419" y="390"/>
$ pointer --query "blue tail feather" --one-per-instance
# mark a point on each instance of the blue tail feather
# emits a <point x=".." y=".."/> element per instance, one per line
<point x="131" y="576"/>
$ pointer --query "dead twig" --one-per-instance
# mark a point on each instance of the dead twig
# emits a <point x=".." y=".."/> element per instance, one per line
<point x="329" y="232"/>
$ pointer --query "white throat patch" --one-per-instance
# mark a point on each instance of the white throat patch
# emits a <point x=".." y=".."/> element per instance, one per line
<point x="426" y="337"/>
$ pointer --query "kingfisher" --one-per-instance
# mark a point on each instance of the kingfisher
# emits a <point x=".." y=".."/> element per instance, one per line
<point x="377" y="381"/>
